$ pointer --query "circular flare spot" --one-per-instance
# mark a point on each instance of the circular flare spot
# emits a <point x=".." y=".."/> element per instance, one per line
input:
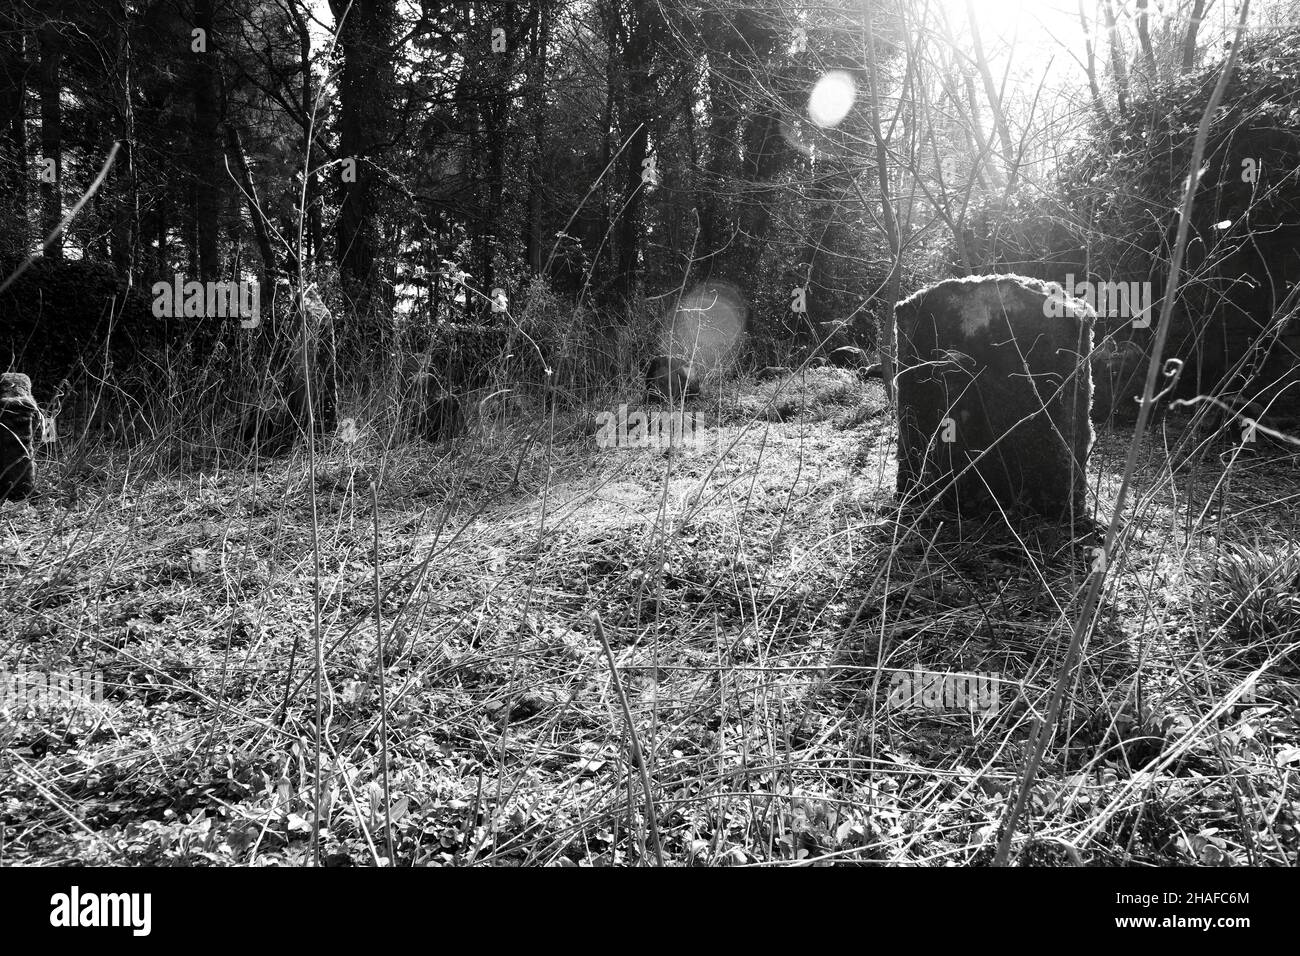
<point x="831" y="99"/>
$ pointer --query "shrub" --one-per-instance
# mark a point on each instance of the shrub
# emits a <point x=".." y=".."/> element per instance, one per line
<point x="59" y="315"/>
<point x="1254" y="593"/>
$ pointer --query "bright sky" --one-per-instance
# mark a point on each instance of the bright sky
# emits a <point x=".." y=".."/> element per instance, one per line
<point x="1040" y="29"/>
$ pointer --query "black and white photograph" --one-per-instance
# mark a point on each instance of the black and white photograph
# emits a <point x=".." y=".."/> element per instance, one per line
<point x="649" y="434"/>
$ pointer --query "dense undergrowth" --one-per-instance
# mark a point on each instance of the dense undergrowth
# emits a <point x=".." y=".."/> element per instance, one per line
<point x="759" y="593"/>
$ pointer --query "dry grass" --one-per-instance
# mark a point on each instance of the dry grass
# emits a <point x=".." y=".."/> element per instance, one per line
<point x="758" y="604"/>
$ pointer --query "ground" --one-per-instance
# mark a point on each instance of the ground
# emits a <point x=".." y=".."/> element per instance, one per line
<point x="762" y="599"/>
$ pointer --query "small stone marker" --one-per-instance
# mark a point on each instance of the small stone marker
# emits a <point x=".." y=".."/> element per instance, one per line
<point x="994" y="393"/>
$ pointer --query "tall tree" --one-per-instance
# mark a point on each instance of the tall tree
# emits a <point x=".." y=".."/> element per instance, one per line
<point x="366" y="97"/>
<point x="206" y="142"/>
<point x="543" y="14"/>
<point x="50" y="89"/>
<point x="640" y="33"/>
<point x="14" y="164"/>
<point x="126" y="219"/>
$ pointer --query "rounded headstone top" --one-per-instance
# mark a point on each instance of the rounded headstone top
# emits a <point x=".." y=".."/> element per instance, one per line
<point x="975" y="299"/>
<point x="15" y="382"/>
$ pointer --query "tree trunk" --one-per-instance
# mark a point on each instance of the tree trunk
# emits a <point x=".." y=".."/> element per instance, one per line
<point x="1144" y="40"/>
<point x="609" y="9"/>
<point x="640" y="106"/>
<point x="885" y="319"/>
<point x="126" y="218"/>
<point x="190" y="231"/>
<point x="722" y="161"/>
<point x="1189" y="39"/>
<point x="366" y="88"/>
<point x="542" y="13"/>
<point x="255" y="211"/>
<point x="492" y="110"/>
<point x="1090" y="66"/>
<point x="50" y="88"/>
<point x="314" y="241"/>
<point x="206" y="145"/>
<point x="766" y="155"/>
<point x="1116" y="58"/>
<point x="14" y="168"/>
<point x="162" y="254"/>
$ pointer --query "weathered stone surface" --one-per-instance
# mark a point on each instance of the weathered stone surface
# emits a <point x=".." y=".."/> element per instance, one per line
<point x="440" y="416"/>
<point x="994" y="392"/>
<point x="431" y="401"/>
<point x="1118" y="374"/>
<point x="670" y="378"/>
<point x="272" y="425"/>
<point x="299" y="387"/>
<point x="20" y="419"/>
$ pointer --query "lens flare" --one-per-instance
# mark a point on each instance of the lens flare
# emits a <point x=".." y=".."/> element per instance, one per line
<point x="831" y="99"/>
<point x="707" y="325"/>
<point x="791" y="136"/>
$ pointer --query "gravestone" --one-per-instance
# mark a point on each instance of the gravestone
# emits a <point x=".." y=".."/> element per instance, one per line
<point x="298" y="387"/>
<point x="994" y="393"/>
<point x="670" y="378"/>
<point x="434" y="412"/>
<point x="440" y="416"/>
<point x="20" y="420"/>
<point x="1118" y="376"/>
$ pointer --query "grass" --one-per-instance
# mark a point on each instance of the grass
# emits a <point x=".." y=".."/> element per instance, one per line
<point x="759" y="605"/>
<point x="1254" y="591"/>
